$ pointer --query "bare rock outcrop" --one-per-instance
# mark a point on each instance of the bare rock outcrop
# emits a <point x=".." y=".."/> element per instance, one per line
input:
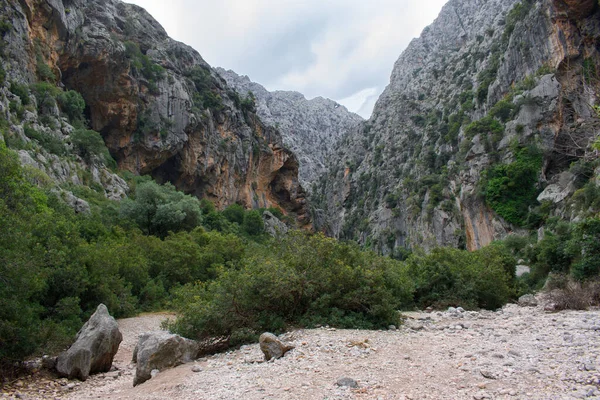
<point x="161" y="109"/>
<point x="486" y="80"/>
<point x="310" y="128"/>
<point x="94" y="349"/>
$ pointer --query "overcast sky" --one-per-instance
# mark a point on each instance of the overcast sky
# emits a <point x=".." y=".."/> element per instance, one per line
<point x="340" y="49"/>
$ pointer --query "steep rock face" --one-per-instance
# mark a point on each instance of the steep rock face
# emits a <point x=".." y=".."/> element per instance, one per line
<point x="414" y="173"/>
<point x="160" y="107"/>
<point x="310" y="128"/>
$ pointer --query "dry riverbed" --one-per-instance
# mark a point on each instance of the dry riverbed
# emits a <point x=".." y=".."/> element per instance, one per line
<point x="515" y="353"/>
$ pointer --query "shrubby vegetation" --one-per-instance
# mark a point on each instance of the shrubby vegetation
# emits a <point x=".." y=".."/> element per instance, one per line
<point x="510" y="189"/>
<point x="161" y="248"/>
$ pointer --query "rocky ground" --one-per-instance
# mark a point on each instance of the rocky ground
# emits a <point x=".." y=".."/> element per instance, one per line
<point x="515" y="353"/>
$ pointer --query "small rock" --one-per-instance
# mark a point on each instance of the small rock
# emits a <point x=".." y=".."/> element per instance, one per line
<point x="488" y="374"/>
<point x="347" y="382"/>
<point x="196" y="368"/>
<point x="589" y="367"/>
<point x="460" y="309"/>
<point x="272" y="347"/>
<point x="527" y="300"/>
<point x="154" y="372"/>
<point x="392" y="327"/>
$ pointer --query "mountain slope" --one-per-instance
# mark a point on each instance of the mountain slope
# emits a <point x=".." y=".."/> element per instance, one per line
<point x="161" y="109"/>
<point x="491" y="87"/>
<point x="310" y="128"/>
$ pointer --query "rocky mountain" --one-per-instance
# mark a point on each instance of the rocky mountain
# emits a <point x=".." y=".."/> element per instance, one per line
<point x="160" y="108"/>
<point x="487" y="127"/>
<point x="310" y="128"/>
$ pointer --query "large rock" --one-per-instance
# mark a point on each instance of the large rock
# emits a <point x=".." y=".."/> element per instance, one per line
<point x="272" y="347"/>
<point x="94" y="349"/>
<point x="273" y="226"/>
<point x="161" y="350"/>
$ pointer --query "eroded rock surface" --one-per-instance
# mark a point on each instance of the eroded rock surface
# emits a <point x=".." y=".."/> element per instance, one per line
<point x="157" y="351"/>
<point x="310" y="128"/>
<point x="94" y="349"/>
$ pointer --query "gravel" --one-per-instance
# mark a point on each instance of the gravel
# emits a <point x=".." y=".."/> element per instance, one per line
<point x="514" y="353"/>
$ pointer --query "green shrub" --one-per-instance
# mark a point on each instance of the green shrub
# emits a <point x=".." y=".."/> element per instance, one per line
<point x="206" y="87"/>
<point x="22" y="91"/>
<point x="510" y="189"/>
<point x="49" y="142"/>
<point x="72" y="104"/>
<point x="304" y="280"/>
<point x="504" y="110"/>
<point x="451" y="277"/>
<point x="484" y="126"/>
<point x="585" y="246"/>
<point x="45" y="94"/>
<point x="253" y="223"/>
<point x="234" y="213"/>
<point x="142" y="64"/>
<point x="158" y="209"/>
<point x="90" y="146"/>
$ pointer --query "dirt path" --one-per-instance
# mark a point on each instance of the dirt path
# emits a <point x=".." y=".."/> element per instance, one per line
<point x="516" y="353"/>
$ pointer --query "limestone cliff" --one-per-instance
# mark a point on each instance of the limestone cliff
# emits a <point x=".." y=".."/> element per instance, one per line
<point x="161" y="109"/>
<point x="486" y="80"/>
<point x="310" y="128"/>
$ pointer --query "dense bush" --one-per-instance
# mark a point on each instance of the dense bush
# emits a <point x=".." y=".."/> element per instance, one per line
<point x="510" y="189"/>
<point x="484" y="126"/>
<point x="90" y="146"/>
<point x="48" y="141"/>
<point x="451" y="277"/>
<point x="21" y="90"/>
<point x="206" y="96"/>
<point x="302" y="280"/>
<point x="158" y="209"/>
<point x="72" y="104"/>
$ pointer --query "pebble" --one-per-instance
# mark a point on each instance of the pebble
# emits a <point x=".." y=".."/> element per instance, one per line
<point x="347" y="382"/>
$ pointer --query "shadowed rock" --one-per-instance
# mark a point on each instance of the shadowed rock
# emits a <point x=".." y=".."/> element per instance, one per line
<point x="159" y="351"/>
<point x="273" y="347"/>
<point x="94" y="349"/>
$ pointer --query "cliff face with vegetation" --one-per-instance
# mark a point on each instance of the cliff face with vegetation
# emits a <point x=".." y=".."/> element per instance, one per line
<point x="310" y="128"/>
<point x="487" y="127"/>
<point x="160" y="108"/>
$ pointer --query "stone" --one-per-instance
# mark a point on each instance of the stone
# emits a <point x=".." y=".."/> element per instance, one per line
<point x="347" y="382"/>
<point x="273" y="226"/>
<point x="272" y="347"/>
<point x="161" y="350"/>
<point x="94" y="349"/>
<point x="527" y="300"/>
<point x="196" y="368"/>
<point x="521" y="270"/>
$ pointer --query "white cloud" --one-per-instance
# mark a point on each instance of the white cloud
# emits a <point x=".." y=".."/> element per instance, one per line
<point x="341" y="49"/>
